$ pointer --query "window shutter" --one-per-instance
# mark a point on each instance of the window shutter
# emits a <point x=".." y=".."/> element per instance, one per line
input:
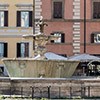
<point x="5" y="18"/>
<point x="18" y="18"/>
<point x="92" y="38"/>
<point x="57" y="13"/>
<point x="30" y="18"/>
<point x="52" y="41"/>
<point x="18" y="50"/>
<point x="62" y="38"/>
<point x="26" y="49"/>
<point x="5" y="49"/>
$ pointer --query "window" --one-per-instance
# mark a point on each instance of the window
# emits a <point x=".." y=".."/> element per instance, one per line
<point x="24" y="18"/>
<point x="58" y="9"/>
<point x="3" y="18"/>
<point x="96" y="10"/>
<point x="95" y="38"/>
<point x="22" y="49"/>
<point x="61" y="38"/>
<point x="3" y="49"/>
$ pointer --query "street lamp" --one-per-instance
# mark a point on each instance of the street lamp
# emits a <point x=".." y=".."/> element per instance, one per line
<point x="84" y="26"/>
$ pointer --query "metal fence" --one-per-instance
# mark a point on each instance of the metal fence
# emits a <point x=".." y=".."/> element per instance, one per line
<point x="52" y="92"/>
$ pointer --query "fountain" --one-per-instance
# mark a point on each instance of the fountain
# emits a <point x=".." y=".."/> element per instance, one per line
<point x="39" y="66"/>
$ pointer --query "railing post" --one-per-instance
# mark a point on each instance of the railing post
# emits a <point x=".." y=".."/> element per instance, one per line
<point x="88" y="91"/>
<point x="10" y="91"/>
<point x="59" y="92"/>
<point x="21" y="92"/>
<point x="84" y="90"/>
<point x="70" y="92"/>
<point x="49" y="91"/>
<point x="32" y="92"/>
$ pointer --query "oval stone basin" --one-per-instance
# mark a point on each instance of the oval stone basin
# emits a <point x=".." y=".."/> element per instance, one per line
<point x="28" y="67"/>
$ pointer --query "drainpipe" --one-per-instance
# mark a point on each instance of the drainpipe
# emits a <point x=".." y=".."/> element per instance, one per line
<point x="84" y="26"/>
<point x="33" y="23"/>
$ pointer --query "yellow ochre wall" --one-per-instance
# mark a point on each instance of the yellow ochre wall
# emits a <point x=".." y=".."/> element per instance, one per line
<point x="12" y="34"/>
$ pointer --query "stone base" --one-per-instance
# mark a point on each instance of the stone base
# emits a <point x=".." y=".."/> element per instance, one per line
<point x="51" y="87"/>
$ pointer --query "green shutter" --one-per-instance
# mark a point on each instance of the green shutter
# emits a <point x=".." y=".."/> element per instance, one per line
<point x="18" y="18"/>
<point x="62" y="38"/>
<point x="52" y="41"/>
<point x="18" y="50"/>
<point x="5" y="49"/>
<point x="92" y="38"/>
<point x="26" y="49"/>
<point x="30" y="18"/>
<point x="5" y="18"/>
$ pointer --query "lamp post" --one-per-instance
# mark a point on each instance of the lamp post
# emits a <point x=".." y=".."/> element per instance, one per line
<point x="84" y="26"/>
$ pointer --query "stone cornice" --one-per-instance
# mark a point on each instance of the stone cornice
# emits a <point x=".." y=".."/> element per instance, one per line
<point x="24" y="5"/>
<point x="4" y="5"/>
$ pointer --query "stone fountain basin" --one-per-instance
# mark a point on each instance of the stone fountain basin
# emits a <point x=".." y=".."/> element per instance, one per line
<point x="28" y="67"/>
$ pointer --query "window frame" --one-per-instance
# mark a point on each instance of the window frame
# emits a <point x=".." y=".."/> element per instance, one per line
<point x="52" y="10"/>
<point x="94" y="36"/>
<point x="22" y="15"/>
<point x="1" y="19"/>
<point x="18" y="19"/>
<point x="5" y="49"/>
<point x="19" y="50"/>
<point x="5" y="23"/>
<point x="62" y="38"/>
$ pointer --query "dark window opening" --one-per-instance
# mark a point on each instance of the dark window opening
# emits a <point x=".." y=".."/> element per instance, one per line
<point x="3" y="18"/>
<point x="61" y="37"/>
<point x="22" y="49"/>
<point x="96" y="10"/>
<point x="95" y="38"/>
<point x="24" y="18"/>
<point x="57" y="10"/>
<point x="3" y="49"/>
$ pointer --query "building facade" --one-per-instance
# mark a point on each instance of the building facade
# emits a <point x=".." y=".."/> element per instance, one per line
<point x="16" y="20"/>
<point x="66" y="19"/>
